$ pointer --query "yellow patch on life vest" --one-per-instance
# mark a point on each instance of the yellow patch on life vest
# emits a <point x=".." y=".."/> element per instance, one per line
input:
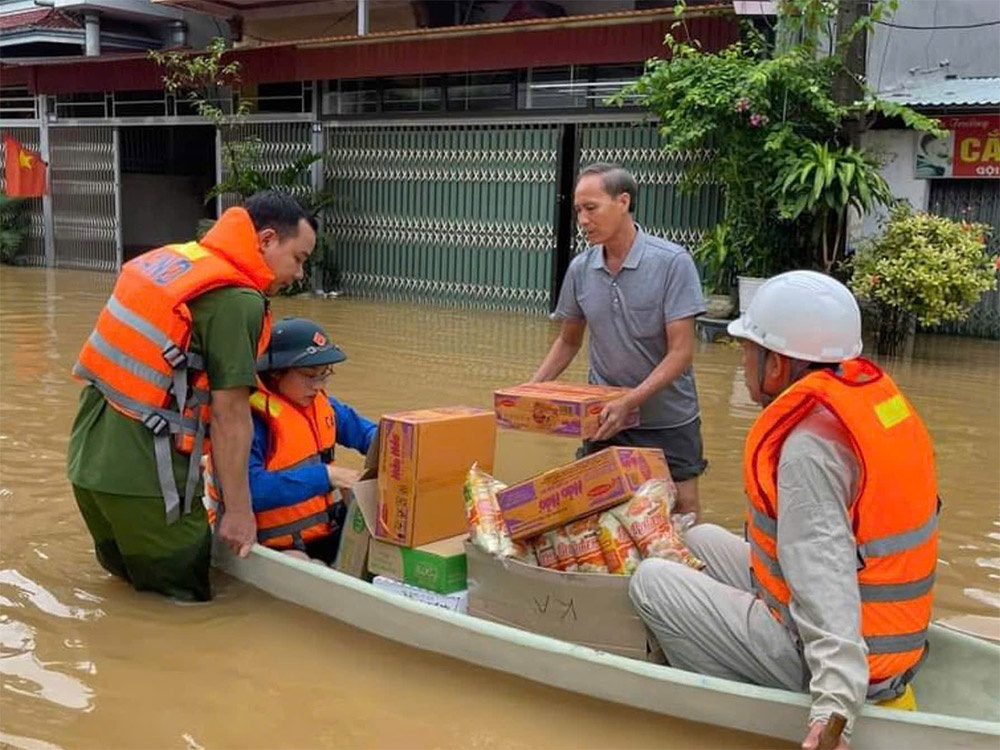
<point x="260" y="402"/>
<point x="190" y="250"/>
<point x="892" y="411"/>
<point x="905" y="702"/>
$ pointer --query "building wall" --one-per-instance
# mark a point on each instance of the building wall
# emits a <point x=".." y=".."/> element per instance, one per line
<point x="899" y="58"/>
<point x="897" y="149"/>
<point x="159" y="209"/>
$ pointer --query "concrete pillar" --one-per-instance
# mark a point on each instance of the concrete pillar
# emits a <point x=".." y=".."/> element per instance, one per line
<point x="92" y="33"/>
<point x="362" y="17"/>
<point x="178" y="34"/>
<point x="45" y="150"/>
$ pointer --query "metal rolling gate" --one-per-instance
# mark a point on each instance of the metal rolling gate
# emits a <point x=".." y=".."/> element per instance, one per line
<point x="86" y="196"/>
<point x="467" y="214"/>
<point x="461" y="214"/>
<point x="663" y="207"/>
<point x="33" y="251"/>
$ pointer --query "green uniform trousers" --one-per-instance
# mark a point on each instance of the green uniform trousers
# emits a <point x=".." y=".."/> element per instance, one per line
<point x="132" y="540"/>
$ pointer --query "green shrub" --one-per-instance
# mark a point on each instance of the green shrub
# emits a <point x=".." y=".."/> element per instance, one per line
<point x="923" y="268"/>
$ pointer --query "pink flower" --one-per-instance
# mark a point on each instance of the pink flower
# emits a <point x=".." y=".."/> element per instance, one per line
<point x="758" y="120"/>
<point x="743" y="105"/>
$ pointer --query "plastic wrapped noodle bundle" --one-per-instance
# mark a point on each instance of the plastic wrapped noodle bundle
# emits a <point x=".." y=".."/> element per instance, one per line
<point x="523" y="551"/>
<point x="563" y="545"/>
<point x="545" y="551"/>
<point x="620" y="553"/>
<point x="486" y="526"/>
<point x="586" y="548"/>
<point x="646" y="518"/>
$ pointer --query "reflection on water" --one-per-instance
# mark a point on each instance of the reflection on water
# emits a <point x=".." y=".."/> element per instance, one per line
<point x="86" y="662"/>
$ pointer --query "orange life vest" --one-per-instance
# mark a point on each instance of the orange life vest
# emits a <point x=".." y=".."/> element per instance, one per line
<point x="138" y="354"/>
<point x="893" y="516"/>
<point x="296" y="437"/>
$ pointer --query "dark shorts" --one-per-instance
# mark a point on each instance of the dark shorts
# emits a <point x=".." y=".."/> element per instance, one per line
<point x="133" y="541"/>
<point x="681" y="445"/>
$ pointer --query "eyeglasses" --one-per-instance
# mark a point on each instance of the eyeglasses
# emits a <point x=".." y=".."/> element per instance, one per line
<point x="314" y="376"/>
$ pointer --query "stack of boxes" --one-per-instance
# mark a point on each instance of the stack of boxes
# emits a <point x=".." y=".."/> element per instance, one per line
<point x="592" y="609"/>
<point x="413" y="514"/>
<point x="407" y="531"/>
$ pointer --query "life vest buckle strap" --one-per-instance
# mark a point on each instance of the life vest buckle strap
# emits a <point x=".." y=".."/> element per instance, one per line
<point x="175" y="356"/>
<point x="156" y="424"/>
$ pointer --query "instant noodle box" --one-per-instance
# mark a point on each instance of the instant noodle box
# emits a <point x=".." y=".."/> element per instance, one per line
<point x="556" y="408"/>
<point x="423" y="459"/>
<point x="593" y="483"/>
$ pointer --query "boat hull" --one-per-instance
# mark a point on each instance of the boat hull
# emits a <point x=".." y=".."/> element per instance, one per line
<point x="652" y="687"/>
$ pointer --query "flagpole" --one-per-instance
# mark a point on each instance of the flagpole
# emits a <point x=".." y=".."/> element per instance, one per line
<point x="48" y="225"/>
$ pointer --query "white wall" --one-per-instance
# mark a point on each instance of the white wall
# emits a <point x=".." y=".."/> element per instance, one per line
<point x="897" y="149"/>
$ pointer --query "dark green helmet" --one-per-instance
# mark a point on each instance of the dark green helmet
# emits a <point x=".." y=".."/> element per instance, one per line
<point x="298" y="342"/>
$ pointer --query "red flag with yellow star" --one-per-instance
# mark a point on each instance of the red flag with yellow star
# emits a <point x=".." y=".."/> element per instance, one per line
<point x="24" y="170"/>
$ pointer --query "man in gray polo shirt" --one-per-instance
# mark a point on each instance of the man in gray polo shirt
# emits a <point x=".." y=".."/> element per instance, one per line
<point x="639" y="295"/>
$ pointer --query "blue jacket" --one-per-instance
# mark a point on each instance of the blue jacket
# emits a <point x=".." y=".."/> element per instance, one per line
<point x="274" y="489"/>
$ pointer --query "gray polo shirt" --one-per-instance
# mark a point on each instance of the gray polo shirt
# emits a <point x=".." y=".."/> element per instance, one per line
<point x="627" y="314"/>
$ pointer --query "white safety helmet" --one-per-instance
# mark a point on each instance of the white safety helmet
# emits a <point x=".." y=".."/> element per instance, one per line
<point x="805" y="315"/>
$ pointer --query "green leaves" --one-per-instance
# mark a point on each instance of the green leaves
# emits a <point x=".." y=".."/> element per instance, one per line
<point x="931" y="267"/>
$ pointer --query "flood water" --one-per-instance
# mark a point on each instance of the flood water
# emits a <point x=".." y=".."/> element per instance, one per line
<point x="86" y="662"/>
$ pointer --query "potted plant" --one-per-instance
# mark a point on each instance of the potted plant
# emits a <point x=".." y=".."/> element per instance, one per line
<point x="719" y="261"/>
<point x="923" y="269"/>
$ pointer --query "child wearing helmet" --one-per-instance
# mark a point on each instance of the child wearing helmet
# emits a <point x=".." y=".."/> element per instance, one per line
<point x="296" y="426"/>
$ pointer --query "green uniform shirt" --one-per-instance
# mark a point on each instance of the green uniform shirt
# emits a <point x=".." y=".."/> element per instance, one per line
<point x="109" y="452"/>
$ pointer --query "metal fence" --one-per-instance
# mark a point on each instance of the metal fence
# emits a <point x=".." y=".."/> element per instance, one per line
<point x="275" y="146"/>
<point x="32" y="252"/>
<point x="664" y="207"/>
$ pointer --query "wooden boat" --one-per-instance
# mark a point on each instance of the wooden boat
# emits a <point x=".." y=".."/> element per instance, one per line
<point x="958" y="688"/>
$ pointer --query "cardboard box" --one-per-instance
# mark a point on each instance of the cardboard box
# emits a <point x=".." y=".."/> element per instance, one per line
<point x="592" y="609"/>
<point x="457" y="601"/>
<point x="352" y="555"/>
<point x="593" y="483"/>
<point x="438" y="566"/>
<point x="424" y="457"/>
<point x="556" y="408"/>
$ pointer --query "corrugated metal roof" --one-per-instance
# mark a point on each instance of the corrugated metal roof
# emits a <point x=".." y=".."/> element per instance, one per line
<point x="951" y="92"/>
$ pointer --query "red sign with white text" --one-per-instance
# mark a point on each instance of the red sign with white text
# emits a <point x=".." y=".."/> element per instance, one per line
<point x="971" y="149"/>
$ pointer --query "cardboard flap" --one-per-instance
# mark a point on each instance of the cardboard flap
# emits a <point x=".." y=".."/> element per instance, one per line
<point x="366" y="494"/>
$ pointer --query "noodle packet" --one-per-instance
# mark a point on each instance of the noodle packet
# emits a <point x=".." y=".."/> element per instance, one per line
<point x="620" y="553"/>
<point x="646" y="518"/>
<point x="586" y="548"/>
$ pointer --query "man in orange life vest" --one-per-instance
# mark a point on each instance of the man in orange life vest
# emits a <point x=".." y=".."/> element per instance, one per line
<point x="174" y="348"/>
<point x="831" y="591"/>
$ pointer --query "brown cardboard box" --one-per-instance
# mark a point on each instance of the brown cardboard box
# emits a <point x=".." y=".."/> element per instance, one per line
<point x="362" y="508"/>
<point x="592" y="609"/>
<point x="557" y="408"/>
<point x="424" y="457"/>
<point x="593" y="483"/>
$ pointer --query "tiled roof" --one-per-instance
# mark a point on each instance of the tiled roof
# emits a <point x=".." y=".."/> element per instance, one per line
<point x="951" y="92"/>
<point x="44" y="18"/>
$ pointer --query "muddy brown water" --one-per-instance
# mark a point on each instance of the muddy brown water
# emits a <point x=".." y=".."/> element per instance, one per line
<point x="86" y="662"/>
